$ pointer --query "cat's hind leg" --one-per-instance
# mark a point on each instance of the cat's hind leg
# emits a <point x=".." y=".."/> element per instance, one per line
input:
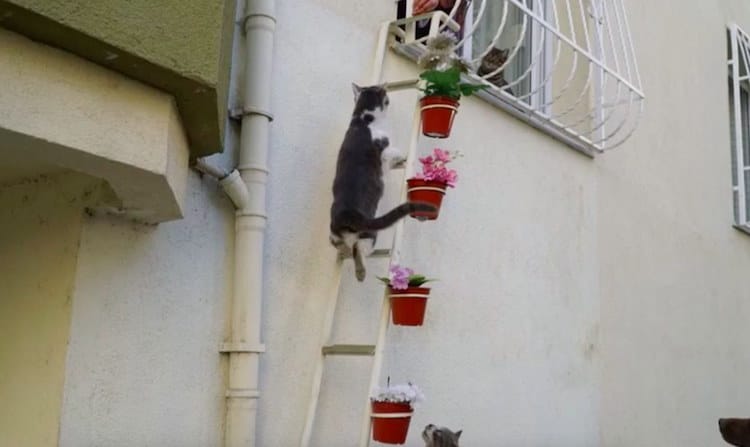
<point x="362" y="248"/>
<point x="344" y="250"/>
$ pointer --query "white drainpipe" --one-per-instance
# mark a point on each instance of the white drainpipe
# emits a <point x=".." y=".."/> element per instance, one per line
<point x="247" y="189"/>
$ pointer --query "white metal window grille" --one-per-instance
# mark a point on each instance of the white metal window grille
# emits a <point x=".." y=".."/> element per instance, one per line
<point x="570" y="70"/>
<point x="739" y="113"/>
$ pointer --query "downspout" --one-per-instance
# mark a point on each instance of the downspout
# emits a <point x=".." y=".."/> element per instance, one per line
<point x="246" y="186"/>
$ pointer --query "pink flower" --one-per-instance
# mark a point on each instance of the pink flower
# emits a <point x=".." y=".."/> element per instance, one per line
<point x="442" y="155"/>
<point x="399" y="277"/>
<point x="434" y="169"/>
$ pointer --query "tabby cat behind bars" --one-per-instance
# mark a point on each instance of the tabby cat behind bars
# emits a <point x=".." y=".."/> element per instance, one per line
<point x="491" y="62"/>
<point x="358" y="186"/>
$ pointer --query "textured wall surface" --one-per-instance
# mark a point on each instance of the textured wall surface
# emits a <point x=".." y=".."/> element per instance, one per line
<point x="149" y="310"/>
<point x="674" y="272"/>
<point x="509" y="349"/>
<point x="581" y="302"/>
<point x="181" y="47"/>
<point x="185" y="35"/>
<point x="40" y="224"/>
<point x="62" y="110"/>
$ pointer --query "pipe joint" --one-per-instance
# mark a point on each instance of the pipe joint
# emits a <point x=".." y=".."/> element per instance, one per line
<point x="236" y="189"/>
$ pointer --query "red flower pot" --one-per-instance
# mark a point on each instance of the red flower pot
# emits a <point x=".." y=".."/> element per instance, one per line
<point x="390" y="422"/>
<point x="408" y="306"/>
<point x="437" y="115"/>
<point x="426" y="191"/>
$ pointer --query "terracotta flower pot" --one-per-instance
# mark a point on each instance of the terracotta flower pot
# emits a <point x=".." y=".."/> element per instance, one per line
<point x="390" y="421"/>
<point x="437" y="115"/>
<point x="426" y="191"/>
<point x="408" y="305"/>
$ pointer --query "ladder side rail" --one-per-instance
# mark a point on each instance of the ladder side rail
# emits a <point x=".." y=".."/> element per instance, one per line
<point x="398" y="236"/>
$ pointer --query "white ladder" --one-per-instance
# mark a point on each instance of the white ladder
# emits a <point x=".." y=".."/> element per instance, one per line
<point x="376" y="350"/>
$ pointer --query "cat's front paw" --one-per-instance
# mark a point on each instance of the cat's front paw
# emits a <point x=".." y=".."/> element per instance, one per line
<point x="398" y="162"/>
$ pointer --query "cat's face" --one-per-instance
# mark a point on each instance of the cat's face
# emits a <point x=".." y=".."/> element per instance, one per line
<point x="494" y="59"/>
<point x="371" y="98"/>
<point x="440" y="437"/>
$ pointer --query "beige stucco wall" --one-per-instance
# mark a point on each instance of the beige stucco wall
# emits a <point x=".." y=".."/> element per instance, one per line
<point x="509" y="348"/>
<point x="674" y="273"/>
<point x="40" y="224"/>
<point x="179" y="46"/>
<point x="62" y="110"/>
<point x="150" y="309"/>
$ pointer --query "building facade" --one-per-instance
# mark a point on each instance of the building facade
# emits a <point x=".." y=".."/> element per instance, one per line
<point x="584" y="299"/>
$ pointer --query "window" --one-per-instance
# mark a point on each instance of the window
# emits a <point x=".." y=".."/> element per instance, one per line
<point x="739" y="118"/>
<point x="567" y="68"/>
<point x="523" y="75"/>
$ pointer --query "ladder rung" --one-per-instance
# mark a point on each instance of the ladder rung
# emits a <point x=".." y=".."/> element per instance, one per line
<point x="349" y="350"/>
<point x="381" y="253"/>
<point x="378" y="253"/>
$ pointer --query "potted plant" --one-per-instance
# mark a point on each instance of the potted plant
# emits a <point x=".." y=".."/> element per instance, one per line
<point x="408" y="297"/>
<point x="429" y="185"/>
<point x="442" y="85"/>
<point x="392" y="408"/>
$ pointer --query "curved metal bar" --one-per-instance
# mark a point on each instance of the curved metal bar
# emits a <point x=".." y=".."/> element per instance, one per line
<point x="625" y="55"/>
<point x="503" y="21"/>
<point x="614" y="88"/>
<point x="631" y="49"/>
<point x="610" y="136"/>
<point x="534" y="59"/>
<point x="470" y="33"/>
<point x="513" y="53"/>
<point x="543" y="83"/>
<point x="637" y="118"/>
<point x="587" y="83"/>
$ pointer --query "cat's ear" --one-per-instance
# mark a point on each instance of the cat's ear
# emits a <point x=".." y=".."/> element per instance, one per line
<point x="357" y="90"/>
<point x="458" y="434"/>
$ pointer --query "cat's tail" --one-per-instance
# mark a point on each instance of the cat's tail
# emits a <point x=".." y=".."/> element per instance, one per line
<point x="396" y="214"/>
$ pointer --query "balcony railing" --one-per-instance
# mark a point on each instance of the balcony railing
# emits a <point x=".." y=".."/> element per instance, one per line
<point x="567" y="67"/>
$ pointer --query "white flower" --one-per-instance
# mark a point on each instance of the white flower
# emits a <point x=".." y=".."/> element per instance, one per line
<point x="406" y="393"/>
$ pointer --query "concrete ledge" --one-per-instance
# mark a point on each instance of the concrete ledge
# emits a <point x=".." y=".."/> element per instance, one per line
<point x="60" y="110"/>
<point x="198" y="80"/>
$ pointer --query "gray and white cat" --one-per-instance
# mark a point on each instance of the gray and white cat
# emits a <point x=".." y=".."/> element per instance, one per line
<point x="358" y="185"/>
<point x="440" y="436"/>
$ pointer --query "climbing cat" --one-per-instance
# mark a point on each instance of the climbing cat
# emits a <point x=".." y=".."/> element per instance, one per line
<point x="440" y="437"/>
<point x="358" y="185"/>
<point x="491" y="62"/>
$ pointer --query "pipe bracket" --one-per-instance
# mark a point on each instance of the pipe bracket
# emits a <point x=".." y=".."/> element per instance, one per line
<point x="246" y="393"/>
<point x="242" y="347"/>
<point x="239" y="113"/>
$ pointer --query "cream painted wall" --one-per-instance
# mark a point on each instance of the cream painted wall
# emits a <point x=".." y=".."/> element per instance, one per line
<point x="40" y="224"/>
<point x="581" y="302"/>
<point x="149" y="313"/>
<point x="509" y="350"/>
<point x="99" y="123"/>
<point x="674" y="273"/>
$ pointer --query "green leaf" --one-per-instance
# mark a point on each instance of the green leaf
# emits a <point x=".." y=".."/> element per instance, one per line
<point x="418" y="280"/>
<point x="385" y="280"/>
<point x="447" y="83"/>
